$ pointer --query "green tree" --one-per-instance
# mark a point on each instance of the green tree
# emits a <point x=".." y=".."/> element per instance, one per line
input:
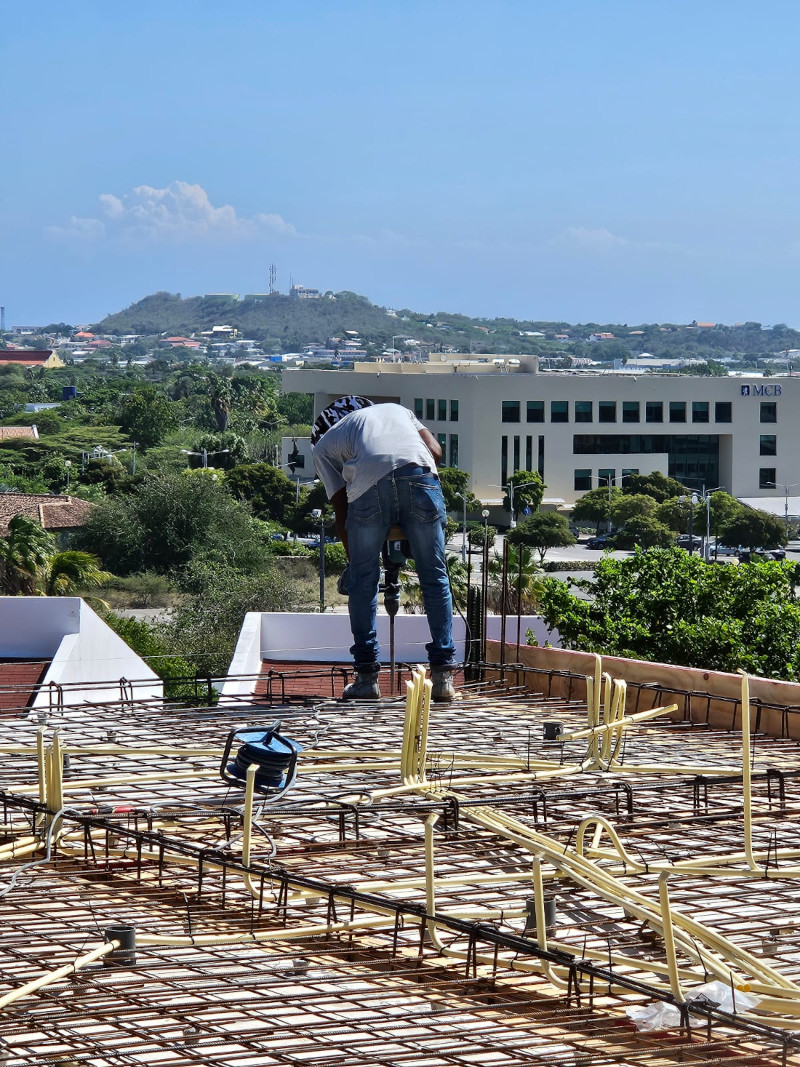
<point x="455" y="481"/>
<point x="147" y="417"/>
<point x="524" y="578"/>
<point x="755" y="529"/>
<point x="71" y="571"/>
<point x="268" y="491"/>
<point x="528" y="492"/>
<point x="597" y="505"/>
<point x="671" y="607"/>
<point x="656" y="485"/>
<point x="24" y="551"/>
<point x="634" y="505"/>
<point x="644" y="531"/>
<point x="169" y="521"/>
<point x="206" y="624"/>
<point x="545" y="529"/>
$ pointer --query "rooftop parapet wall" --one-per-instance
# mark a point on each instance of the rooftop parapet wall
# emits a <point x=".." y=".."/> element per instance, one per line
<point x="702" y="696"/>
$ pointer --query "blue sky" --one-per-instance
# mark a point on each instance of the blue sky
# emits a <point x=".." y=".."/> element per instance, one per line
<point x="586" y="160"/>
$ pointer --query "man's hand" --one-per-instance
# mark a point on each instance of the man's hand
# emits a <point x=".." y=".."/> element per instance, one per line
<point x="339" y="503"/>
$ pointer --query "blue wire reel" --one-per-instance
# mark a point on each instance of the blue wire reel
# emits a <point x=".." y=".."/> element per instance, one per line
<point x="274" y="755"/>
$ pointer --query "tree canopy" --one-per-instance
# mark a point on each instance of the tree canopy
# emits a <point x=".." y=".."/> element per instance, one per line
<point x="671" y="607"/>
<point x="545" y="529"/>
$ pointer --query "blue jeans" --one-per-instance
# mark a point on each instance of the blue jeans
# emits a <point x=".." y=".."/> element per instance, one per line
<point x="411" y="498"/>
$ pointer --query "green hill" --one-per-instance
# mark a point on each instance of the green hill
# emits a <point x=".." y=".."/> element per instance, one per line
<point x="284" y="323"/>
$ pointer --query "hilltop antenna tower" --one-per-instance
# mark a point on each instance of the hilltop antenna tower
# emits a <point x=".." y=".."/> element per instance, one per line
<point x="273" y="277"/>
<point x="2" y="320"/>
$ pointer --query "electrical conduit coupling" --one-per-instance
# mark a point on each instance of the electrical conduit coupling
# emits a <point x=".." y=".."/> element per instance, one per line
<point x="273" y="754"/>
<point x="125" y="955"/>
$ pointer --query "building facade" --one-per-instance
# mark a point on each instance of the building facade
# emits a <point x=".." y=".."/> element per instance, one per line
<point x="584" y="430"/>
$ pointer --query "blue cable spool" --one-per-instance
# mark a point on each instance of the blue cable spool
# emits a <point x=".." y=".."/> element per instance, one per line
<point x="274" y="755"/>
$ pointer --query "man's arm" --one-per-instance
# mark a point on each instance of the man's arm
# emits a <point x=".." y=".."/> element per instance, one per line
<point x="339" y="502"/>
<point x="431" y="444"/>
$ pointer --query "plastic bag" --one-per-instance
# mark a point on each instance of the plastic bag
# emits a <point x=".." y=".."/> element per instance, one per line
<point x="661" y="1016"/>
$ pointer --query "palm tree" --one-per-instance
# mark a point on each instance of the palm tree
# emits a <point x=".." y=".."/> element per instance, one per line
<point x="525" y="581"/>
<point x="30" y="565"/>
<point x="23" y="553"/>
<point x="67" y="572"/>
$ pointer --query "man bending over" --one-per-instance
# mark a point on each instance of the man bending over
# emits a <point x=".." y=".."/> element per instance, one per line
<point x="378" y="464"/>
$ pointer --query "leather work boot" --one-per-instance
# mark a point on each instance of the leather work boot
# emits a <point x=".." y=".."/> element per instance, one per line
<point x="443" y="691"/>
<point x="364" y="687"/>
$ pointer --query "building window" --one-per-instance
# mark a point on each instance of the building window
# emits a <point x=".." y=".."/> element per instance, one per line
<point x="630" y="411"/>
<point x="700" y="411"/>
<point x="768" y="443"/>
<point x="627" y="472"/>
<point x="607" y="411"/>
<point x="510" y="411"/>
<point x="583" y="479"/>
<point x="559" y="411"/>
<point x="540" y="456"/>
<point x="606" y="476"/>
<point x="442" y="439"/>
<point x="430" y="410"/>
<point x="454" y="411"/>
<point x="769" y="411"/>
<point x="516" y="454"/>
<point x="418" y="407"/>
<point x="453" y="449"/>
<point x="529" y="453"/>
<point x="653" y="411"/>
<point x="677" y="411"/>
<point x="503" y="460"/>
<point x="535" y="411"/>
<point x="766" y="477"/>
<point x="583" y="410"/>
<point x="442" y="411"/>
<point x="723" y="411"/>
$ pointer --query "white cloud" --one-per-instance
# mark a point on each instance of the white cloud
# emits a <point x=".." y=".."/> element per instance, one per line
<point x="78" y="229"/>
<point x="582" y="237"/>
<point x="177" y="213"/>
<point x="601" y="240"/>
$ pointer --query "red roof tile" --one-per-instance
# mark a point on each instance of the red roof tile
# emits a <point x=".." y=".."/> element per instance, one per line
<point x="18" y="682"/>
<point x="8" y="433"/>
<point x="53" y="512"/>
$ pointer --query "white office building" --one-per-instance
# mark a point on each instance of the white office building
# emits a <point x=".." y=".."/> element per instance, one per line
<point x="583" y="430"/>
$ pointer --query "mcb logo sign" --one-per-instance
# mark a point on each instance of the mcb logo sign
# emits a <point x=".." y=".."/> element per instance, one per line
<point x="761" y="390"/>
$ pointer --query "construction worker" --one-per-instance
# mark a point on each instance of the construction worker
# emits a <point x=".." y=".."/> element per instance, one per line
<point x="378" y="464"/>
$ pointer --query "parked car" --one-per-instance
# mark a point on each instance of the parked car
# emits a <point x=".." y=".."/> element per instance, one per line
<point x="601" y="541"/>
<point x="684" y="541"/>
<point x="770" y="553"/>
<point x="725" y="550"/>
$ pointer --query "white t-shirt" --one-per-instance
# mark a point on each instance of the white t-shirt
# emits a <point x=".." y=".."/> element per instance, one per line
<point x="368" y="444"/>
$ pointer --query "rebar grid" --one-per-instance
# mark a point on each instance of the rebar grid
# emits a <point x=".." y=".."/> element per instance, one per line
<point x="161" y="854"/>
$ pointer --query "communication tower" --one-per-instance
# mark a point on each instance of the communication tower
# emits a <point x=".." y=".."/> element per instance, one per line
<point x="273" y="277"/>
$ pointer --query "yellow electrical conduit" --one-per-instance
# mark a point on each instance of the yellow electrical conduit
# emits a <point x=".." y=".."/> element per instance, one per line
<point x="413" y="763"/>
<point x="61" y="972"/>
<point x="718" y="951"/>
<point x="717" y="956"/>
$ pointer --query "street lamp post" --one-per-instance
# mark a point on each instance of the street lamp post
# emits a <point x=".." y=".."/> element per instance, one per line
<point x="692" y="501"/>
<point x="485" y="515"/>
<point x="786" y="488"/>
<point x="68" y="465"/>
<point x="509" y="489"/>
<point x="706" y="496"/>
<point x="464" y="528"/>
<point x="318" y="515"/>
